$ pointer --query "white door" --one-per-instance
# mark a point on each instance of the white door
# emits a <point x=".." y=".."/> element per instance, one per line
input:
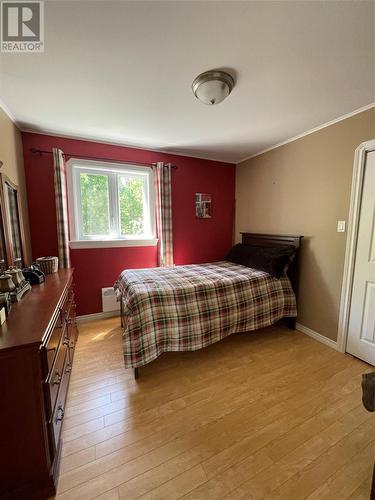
<point x="361" y="333"/>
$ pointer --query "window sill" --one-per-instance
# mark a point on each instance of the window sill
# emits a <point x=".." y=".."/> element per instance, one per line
<point x="77" y="244"/>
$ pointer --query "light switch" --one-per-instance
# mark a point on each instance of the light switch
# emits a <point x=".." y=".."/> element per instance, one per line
<point x="341" y="226"/>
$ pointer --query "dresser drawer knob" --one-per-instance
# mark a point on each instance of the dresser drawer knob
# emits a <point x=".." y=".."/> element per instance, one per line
<point x="57" y="378"/>
<point x="59" y="414"/>
<point x="68" y="368"/>
<point x="66" y="341"/>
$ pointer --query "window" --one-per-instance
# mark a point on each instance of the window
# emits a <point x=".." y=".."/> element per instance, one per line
<point x="110" y="203"/>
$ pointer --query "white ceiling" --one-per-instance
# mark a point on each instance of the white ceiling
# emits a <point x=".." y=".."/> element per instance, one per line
<point x="122" y="71"/>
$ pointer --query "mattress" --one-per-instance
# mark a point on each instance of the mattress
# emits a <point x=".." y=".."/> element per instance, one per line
<point x="184" y="308"/>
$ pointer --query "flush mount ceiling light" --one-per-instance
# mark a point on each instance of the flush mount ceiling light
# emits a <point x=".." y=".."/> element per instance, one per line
<point x="212" y="87"/>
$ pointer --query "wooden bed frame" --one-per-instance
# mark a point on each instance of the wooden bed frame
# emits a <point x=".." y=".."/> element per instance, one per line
<point x="257" y="239"/>
<point x="276" y="240"/>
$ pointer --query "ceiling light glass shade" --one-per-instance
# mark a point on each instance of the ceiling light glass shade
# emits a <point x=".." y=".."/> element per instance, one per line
<point x="213" y="87"/>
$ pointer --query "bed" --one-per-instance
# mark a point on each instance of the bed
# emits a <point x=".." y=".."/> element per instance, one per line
<point x="185" y="308"/>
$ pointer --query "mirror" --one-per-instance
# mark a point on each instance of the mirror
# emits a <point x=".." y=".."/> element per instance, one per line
<point x="12" y="243"/>
<point x="3" y="258"/>
<point x="11" y="197"/>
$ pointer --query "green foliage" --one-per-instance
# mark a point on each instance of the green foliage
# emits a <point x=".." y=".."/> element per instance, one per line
<point x="131" y="205"/>
<point x="94" y="204"/>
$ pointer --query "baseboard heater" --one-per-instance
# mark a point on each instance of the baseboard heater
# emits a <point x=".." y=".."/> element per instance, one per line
<point x="109" y="301"/>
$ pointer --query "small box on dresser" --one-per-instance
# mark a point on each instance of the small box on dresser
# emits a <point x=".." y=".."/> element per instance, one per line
<point x="36" y="354"/>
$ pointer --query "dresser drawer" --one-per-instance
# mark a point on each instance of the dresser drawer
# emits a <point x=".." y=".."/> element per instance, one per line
<point x="55" y="376"/>
<point x="65" y="308"/>
<point x="59" y="410"/>
<point x="53" y="343"/>
<point x="59" y="332"/>
<point x="73" y="323"/>
<point x="59" y="338"/>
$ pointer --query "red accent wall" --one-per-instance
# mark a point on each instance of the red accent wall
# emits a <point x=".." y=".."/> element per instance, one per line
<point x="195" y="240"/>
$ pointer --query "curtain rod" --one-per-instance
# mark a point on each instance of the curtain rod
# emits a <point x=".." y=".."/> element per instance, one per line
<point x="85" y="157"/>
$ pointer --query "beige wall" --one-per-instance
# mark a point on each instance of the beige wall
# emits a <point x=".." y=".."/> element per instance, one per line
<point x="12" y="157"/>
<point x="304" y="188"/>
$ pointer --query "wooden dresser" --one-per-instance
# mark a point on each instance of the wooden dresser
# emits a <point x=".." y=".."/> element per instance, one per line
<point x="36" y="353"/>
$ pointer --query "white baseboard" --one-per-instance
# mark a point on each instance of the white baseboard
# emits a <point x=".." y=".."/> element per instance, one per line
<point x="96" y="316"/>
<point x="317" y="336"/>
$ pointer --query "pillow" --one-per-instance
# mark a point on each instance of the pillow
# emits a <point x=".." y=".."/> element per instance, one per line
<point x="272" y="260"/>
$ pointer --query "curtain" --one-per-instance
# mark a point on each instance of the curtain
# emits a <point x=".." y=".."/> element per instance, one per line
<point x="163" y="190"/>
<point x="61" y="207"/>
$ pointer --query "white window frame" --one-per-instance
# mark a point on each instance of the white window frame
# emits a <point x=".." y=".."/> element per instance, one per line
<point x="77" y="165"/>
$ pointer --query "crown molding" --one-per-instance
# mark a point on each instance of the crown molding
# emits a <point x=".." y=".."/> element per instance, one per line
<point x="8" y="112"/>
<point x="311" y="131"/>
<point x="89" y="138"/>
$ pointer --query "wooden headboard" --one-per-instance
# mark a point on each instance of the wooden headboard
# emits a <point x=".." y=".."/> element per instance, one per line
<point x="255" y="239"/>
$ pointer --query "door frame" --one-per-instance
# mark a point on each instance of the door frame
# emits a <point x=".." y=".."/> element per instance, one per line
<point x="351" y="242"/>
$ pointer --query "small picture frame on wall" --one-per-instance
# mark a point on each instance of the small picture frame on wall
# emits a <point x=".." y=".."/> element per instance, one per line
<point x="203" y="206"/>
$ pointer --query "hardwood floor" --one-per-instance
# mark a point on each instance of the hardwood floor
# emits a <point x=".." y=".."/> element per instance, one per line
<point x="270" y="414"/>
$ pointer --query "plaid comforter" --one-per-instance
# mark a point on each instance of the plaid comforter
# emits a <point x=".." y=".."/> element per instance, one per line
<point x="185" y="308"/>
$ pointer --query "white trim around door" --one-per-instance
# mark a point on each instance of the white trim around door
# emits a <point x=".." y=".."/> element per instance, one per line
<point x="351" y="242"/>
